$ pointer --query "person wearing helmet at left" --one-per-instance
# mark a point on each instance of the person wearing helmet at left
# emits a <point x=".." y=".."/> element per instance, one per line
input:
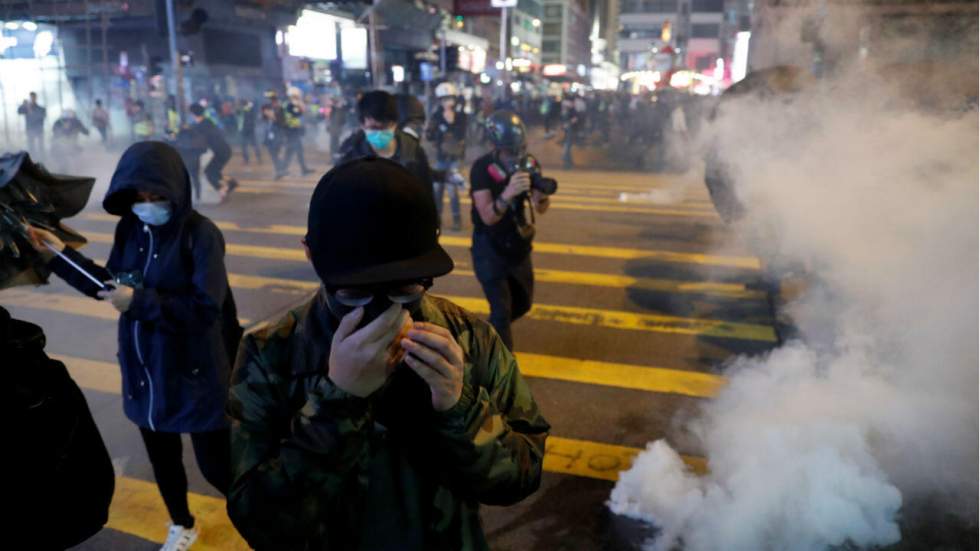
<point x="447" y="131"/>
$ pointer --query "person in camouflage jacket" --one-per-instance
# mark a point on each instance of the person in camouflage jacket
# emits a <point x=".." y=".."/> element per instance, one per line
<point x="334" y="446"/>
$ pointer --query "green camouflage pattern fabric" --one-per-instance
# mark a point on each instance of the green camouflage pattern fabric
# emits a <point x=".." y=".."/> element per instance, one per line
<point x="316" y="468"/>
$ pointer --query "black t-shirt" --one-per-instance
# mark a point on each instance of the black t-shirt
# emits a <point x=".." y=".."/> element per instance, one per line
<point x="480" y="179"/>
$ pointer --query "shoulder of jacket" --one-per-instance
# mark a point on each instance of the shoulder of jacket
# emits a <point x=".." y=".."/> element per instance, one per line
<point x="408" y="139"/>
<point x="411" y="148"/>
<point x="482" y="161"/>
<point x="270" y="341"/>
<point x="351" y="141"/>
<point x="201" y="225"/>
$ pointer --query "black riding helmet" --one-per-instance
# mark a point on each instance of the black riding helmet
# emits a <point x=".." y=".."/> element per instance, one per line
<point x="372" y="221"/>
<point x="506" y="131"/>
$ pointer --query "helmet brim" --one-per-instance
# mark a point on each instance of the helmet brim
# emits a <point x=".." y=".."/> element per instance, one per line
<point x="434" y="263"/>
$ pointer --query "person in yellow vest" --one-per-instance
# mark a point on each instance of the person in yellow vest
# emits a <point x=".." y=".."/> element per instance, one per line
<point x="173" y="118"/>
<point x="143" y="127"/>
<point x="292" y="113"/>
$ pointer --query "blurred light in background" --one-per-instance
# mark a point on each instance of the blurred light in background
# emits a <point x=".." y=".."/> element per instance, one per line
<point x="740" y="56"/>
<point x="553" y="70"/>
<point x="43" y="43"/>
<point x="314" y="36"/>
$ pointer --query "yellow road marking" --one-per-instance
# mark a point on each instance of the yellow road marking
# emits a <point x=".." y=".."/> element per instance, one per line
<point x="562" y="455"/>
<point x="104" y="376"/>
<point x="560" y="204"/>
<point x="95" y="375"/>
<point x="633" y="377"/>
<point x="710" y="215"/>
<point x="79" y="305"/>
<point x="730" y="290"/>
<point x="727" y="290"/>
<point x="253" y="190"/>
<point x="571" y="192"/>
<point x="598" y="460"/>
<point x="75" y="305"/>
<point x="630" y="321"/>
<point x="138" y="509"/>
<point x="92" y="374"/>
<point x="687" y="204"/>
<point x="743" y="262"/>
<point x="566" y="180"/>
<point x="613" y="319"/>
<point x="579" y="196"/>
<point x="240" y="281"/>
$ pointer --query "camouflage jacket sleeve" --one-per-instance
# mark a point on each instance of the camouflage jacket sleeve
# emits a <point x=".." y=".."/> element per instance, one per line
<point x="285" y="450"/>
<point x="493" y="439"/>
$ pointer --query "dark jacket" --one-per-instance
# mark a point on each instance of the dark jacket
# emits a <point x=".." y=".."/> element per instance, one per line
<point x="214" y="137"/>
<point x="449" y="137"/>
<point x="246" y="119"/>
<point x="34" y="116"/>
<point x="409" y="154"/>
<point x="174" y="359"/>
<point x="59" y="465"/>
<point x="315" y="468"/>
<point x="411" y="115"/>
<point x="68" y="128"/>
<point x="271" y="127"/>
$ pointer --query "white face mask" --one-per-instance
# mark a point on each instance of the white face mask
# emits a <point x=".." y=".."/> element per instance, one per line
<point x="156" y="213"/>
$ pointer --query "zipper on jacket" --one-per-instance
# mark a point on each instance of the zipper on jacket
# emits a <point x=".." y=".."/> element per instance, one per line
<point x="136" y="333"/>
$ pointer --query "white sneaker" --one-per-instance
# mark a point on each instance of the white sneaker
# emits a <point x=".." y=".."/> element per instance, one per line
<point x="179" y="538"/>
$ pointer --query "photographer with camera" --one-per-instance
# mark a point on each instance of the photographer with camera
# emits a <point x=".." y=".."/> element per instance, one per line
<point x="178" y="328"/>
<point x="507" y="189"/>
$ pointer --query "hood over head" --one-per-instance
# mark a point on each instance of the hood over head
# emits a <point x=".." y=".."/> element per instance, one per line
<point x="149" y="166"/>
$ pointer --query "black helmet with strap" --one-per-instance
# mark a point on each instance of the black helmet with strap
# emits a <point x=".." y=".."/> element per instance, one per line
<point x="506" y="130"/>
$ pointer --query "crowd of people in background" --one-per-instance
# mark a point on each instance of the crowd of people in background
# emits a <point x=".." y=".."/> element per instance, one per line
<point x="646" y="131"/>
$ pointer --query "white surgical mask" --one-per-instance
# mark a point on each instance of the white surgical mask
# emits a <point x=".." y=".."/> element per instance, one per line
<point x="156" y="213"/>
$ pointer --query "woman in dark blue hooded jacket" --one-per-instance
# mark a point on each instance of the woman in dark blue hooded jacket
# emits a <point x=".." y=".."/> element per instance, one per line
<point x="177" y="320"/>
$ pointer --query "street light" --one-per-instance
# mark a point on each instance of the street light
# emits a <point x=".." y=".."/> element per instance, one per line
<point x="43" y="43"/>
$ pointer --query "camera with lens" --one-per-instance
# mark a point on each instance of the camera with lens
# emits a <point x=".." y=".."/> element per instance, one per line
<point x="529" y="164"/>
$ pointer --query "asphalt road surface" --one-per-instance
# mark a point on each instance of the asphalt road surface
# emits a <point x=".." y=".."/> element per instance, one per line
<point x="637" y="305"/>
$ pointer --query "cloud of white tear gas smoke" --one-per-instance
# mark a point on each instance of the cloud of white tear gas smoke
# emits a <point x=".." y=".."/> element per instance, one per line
<point x="827" y="440"/>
